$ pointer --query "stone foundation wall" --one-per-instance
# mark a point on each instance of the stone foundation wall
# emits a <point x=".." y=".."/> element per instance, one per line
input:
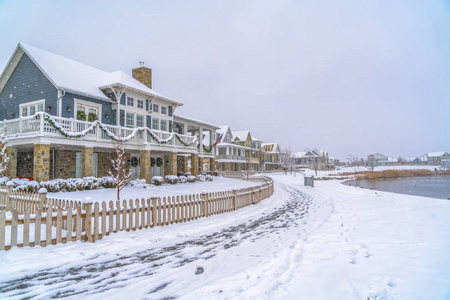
<point x="25" y="164"/>
<point x="65" y="163"/>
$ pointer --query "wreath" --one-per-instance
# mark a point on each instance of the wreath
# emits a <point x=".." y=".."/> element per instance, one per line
<point x="81" y="115"/>
<point x="152" y="162"/>
<point x="92" y="117"/>
<point x="134" y="161"/>
<point x="159" y="162"/>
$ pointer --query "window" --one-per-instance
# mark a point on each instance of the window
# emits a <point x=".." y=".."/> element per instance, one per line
<point x="130" y="119"/>
<point x="139" y="120"/>
<point x="140" y="103"/>
<point x="155" y="123"/>
<point x="222" y="151"/>
<point x="130" y="101"/>
<point x="163" y="110"/>
<point x="85" y="106"/>
<point x="164" y="125"/>
<point x="30" y="108"/>
<point x="155" y="108"/>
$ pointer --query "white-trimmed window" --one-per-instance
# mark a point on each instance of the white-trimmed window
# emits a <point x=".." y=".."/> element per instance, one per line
<point x="139" y="121"/>
<point x="30" y="108"/>
<point x="87" y="107"/>
<point x="130" y="101"/>
<point x="155" y="108"/>
<point x="140" y="103"/>
<point x="155" y="123"/>
<point x="129" y="120"/>
<point x="163" y="110"/>
<point x="163" y="125"/>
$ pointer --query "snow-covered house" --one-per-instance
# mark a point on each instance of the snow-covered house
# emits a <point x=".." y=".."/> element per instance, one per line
<point x="315" y="159"/>
<point x="270" y="157"/>
<point x="65" y="115"/>
<point x="229" y="156"/>
<point x="439" y="158"/>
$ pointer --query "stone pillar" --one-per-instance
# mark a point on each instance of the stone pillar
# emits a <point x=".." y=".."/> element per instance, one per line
<point x="194" y="164"/>
<point x="41" y="162"/>
<point x="185" y="163"/>
<point x="172" y="165"/>
<point x="212" y="164"/>
<point x="145" y="165"/>
<point x="200" y="164"/>
<point x="12" y="165"/>
<point x="227" y="166"/>
<point x="88" y="161"/>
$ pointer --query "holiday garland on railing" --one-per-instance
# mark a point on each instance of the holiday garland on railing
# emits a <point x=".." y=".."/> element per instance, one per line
<point x="111" y="135"/>
<point x="206" y="149"/>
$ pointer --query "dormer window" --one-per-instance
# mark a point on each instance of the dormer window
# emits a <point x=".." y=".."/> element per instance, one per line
<point x="163" y="110"/>
<point x="140" y="103"/>
<point x="130" y="101"/>
<point x="155" y="108"/>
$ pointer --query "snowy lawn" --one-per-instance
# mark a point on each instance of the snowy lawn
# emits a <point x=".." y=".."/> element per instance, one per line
<point x="330" y="242"/>
<point x="138" y="192"/>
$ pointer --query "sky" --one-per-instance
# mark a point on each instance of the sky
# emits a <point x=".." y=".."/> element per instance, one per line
<point x="350" y="77"/>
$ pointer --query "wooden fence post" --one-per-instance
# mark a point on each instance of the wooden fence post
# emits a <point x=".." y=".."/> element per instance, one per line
<point x="234" y="191"/>
<point x="8" y="201"/>
<point x="154" y="213"/>
<point x="88" y="221"/>
<point x="204" y="196"/>
<point x="42" y="198"/>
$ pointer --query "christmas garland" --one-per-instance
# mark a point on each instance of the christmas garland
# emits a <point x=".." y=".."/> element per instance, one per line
<point x="111" y="135"/>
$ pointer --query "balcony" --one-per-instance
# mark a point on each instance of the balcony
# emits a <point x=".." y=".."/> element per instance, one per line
<point x="231" y="157"/>
<point x="44" y="125"/>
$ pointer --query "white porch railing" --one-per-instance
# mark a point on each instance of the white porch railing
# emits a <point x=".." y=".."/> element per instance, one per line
<point x="27" y="127"/>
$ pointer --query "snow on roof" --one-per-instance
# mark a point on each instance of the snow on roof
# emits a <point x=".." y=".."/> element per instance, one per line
<point x="274" y="148"/>
<point x="183" y="118"/>
<point x="222" y="129"/>
<point x="256" y="139"/>
<point x="80" y="78"/>
<point x="241" y="135"/>
<point x="299" y="154"/>
<point x="436" y="154"/>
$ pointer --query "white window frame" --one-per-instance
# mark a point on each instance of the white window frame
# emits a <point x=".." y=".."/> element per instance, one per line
<point x="29" y="104"/>
<point x="133" y="119"/>
<point x="155" y="107"/>
<point x="161" y="125"/>
<point x="153" y="122"/>
<point x="132" y="100"/>
<point x="165" y="110"/>
<point x="140" y="101"/>
<point x="77" y="102"/>
<point x="143" y="120"/>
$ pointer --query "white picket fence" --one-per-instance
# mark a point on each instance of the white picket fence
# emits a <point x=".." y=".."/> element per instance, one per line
<point x="45" y="221"/>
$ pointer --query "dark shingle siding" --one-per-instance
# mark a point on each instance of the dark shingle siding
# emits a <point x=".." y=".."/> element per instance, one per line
<point x="26" y="84"/>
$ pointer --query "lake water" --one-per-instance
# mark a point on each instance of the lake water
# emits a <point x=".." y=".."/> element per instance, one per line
<point x="427" y="186"/>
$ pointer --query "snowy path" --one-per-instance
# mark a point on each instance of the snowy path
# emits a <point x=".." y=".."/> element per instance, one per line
<point x="148" y="270"/>
<point x="330" y="242"/>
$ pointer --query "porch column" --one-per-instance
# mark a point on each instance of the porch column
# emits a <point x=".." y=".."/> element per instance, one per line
<point x="172" y="166"/>
<point x="145" y="166"/>
<point x="194" y="164"/>
<point x="212" y="164"/>
<point x="88" y="161"/>
<point x="200" y="139"/>
<point x="12" y="164"/>
<point x="227" y="166"/>
<point x="41" y="162"/>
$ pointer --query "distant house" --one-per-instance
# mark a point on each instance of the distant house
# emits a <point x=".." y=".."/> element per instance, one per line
<point x="314" y="159"/>
<point x="438" y="158"/>
<point x="380" y="160"/>
<point x="270" y="158"/>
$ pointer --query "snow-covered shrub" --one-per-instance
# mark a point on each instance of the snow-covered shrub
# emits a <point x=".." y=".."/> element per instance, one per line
<point x="157" y="180"/>
<point x="191" y="178"/>
<point x="53" y="186"/>
<point x="91" y="183"/>
<point x="108" y="182"/>
<point x="215" y="173"/>
<point x="187" y="174"/>
<point x="201" y="178"/>
<point x="29" y="187"/>
<point x="137" y="182"/>
<point x="172" y="179"/>
<point x="182" y="179"/>
<point x="209" y="178"/>
<point x="3" y="180"/>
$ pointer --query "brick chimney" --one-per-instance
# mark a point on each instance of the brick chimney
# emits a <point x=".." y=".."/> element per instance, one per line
<point x="143" y="74"/>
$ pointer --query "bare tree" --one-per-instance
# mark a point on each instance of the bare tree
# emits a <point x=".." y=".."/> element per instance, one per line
<point x="4" y="159"/>
<point x="120" y="169"/>
<point x="371" y="162"/>
<point x="354" y="161"/>
<point x="286" y="159"/>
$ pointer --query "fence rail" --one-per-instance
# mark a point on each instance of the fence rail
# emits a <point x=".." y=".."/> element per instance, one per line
<point x="34" y="220"/>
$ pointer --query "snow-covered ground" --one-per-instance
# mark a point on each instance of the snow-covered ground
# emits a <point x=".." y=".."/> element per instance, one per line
<point x="363" y="169"/>
<point x="139" y="192"/>
<point x="330" y="242"/>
